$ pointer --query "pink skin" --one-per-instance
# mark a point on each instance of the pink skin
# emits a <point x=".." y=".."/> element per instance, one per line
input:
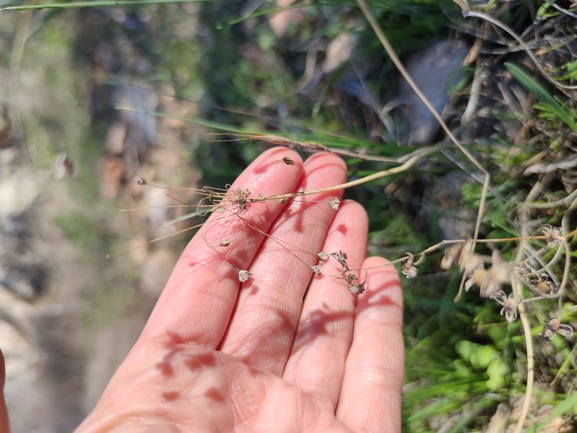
<point x="218" y="355"/>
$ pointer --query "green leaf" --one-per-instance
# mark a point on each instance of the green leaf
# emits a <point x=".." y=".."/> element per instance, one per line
<point x="565" y="406"/>
<point x="544" y="96"/>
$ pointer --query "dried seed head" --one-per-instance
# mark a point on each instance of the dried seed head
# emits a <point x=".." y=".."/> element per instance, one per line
<point x="409" y="270"/>
<point x="288" y="161"/>
<point x="224" y="243"/>
<point x="489" y="281"/>
<point x="499" y="296"/>
<point x="553" y="234"/>
<point x="341" y="257"/>
<point x="478" y="278"/>
<point x="240" y="198"/>
<point x="140" y="181"/>
<point x="509" y="304"/>
<point x="357" y="289"/>
<point x="452" y="256"/>
<point x="351" y="278"/>
<point x="243" y="276"/>
<point x="317" y="269"/>
<point x="542" y="285"/>
<point x="554" y="326"/>
<point x="354" y="287"/>
<point x="497" y="275"/>
<point x="283" y="200"/>
<point x="335" y="203"/>
<point x="323" y="256"/>
<point x="521" y="270"/>
<point x="470" y="263"/>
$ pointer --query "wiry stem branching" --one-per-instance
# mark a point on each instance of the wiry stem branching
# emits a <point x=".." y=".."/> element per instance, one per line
<point x="391" y="52"/>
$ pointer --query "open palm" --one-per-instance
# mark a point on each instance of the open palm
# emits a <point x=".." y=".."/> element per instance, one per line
<point x="281" y="351"/>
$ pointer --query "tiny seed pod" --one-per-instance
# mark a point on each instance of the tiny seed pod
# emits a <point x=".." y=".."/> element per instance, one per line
<point x="409" y="270"/>
<point x="542" y="285"/>
<point x="335" y="203"/>
<point x="341" y="257"/>
<point x="317" y="269"/>
<point x="288" y="161"/>
<point x="323" y="256"/>
<point x="224" y="243"/>
<point x="357" y="289"/>
<point x="554" y="326"/>
<point x="243" y="275"/>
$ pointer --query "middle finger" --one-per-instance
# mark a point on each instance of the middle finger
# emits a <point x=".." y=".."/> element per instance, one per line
<point x="262" y="329"/>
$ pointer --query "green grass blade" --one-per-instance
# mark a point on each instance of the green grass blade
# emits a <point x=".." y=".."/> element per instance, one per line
<point x="544" y="96"/>
<point x="97" y="3"/>
<point x="565" y="406"/>
<point x="202" y="213"/>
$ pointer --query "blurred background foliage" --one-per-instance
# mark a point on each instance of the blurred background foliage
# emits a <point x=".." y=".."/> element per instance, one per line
<point x="78" y="80"/>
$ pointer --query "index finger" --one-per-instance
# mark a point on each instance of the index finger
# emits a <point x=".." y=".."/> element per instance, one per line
<point x="200" y="295"/>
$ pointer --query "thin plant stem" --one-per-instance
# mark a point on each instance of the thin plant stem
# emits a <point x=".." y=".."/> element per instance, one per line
<point x="514" y="35"/>
<point x="93" y="4"/>
<point x="391" y="52"/>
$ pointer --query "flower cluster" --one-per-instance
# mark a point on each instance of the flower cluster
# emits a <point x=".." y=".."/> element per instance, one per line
<point x="355" y="287"/>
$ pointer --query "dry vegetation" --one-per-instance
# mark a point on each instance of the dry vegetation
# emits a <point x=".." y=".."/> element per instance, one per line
<point x="509" y="125"/>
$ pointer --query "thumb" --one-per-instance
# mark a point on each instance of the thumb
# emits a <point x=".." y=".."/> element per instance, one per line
<point x="4" y="425"/>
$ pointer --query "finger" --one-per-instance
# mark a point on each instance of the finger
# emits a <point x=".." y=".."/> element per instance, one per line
<point x="263" y="326"/>
<point x="370" y="399"/>
<point x="317" y="360"/>
<point x="4" y="424"/>
<point x="199" y="297"/>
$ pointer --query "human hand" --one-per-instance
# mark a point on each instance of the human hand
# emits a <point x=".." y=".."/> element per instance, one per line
<point x="218" y="355"/>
